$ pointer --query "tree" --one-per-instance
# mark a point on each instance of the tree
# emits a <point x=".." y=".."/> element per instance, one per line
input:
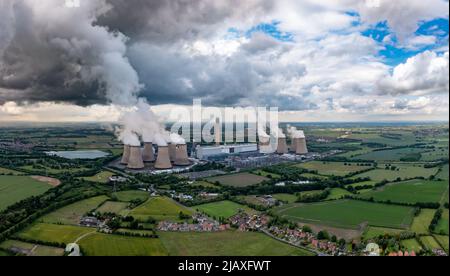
<point x="323" y="235"/>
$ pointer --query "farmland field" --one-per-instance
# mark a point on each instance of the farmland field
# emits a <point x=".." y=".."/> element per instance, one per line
<point x="101" y="177"/>
<point x="238" y="180"/>
<point x="404" y="171"/>
<point x="332" y="168"/>
<point x="410" y="192"/>
<point x="443" y="242"/>
<point x="99" y="244"/>
<point x="31" y="249"/>
<point x="348" y="214"/>
<point x="391" y="155"/>
<point x="112" y="207"/>
<point x="9" y="172"/>
<point x="16" y="188"/>
<point x="443" y="173"/>
<point x="228" y="243"/>
<point x="430" y="243"/>
<point x="289" y="198"/>
<point x="222" y="209"/>
<point x="54" y="233"/>
<point x="159" y="208"/>
<point x="267" y="174"/>
<point x="412" y="245"/>
<point x="127" y="196"/>
<point x="422" y="221"/>
<point x="443" y="224"/>
<point x="337" y="193"/>
<point x="72" y="213"/>
<point x="373" y="232"/>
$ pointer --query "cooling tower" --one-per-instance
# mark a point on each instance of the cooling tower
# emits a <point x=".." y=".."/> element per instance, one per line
<point x="282" y="146"/>
<point x="126" y="155"/>
<point x="301" y="147"/>
<point x="181" y="156"/>
<point x="163" y="160"/>
<point x="135" y="162"/>
<point x="172" y="151"/>
<point x="148" y="154"/>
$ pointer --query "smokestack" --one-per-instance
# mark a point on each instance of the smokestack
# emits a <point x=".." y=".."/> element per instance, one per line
<point x="126" y="155"/>
<point x="300" y="146"/>
<point x="148" y="154"/>
<point x="163" y="160"/>
<point x="135" y="162"/>
<point x="282" y="146"/>
<point x="181" y="156"/>
<point x="172" y="151"/>
<point x="218" y="132"/>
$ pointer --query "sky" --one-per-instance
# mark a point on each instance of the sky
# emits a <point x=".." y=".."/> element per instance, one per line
<point x="316" y="60"/>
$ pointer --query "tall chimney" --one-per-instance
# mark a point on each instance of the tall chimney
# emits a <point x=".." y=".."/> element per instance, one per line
<point x="148" y="154"/>
<point x="172" y="151"/>
<point x="282" y="146"/>
<point x="301" y="147"/>
<point x="218" y="132"/>
<point x="181" y="156"/>
<point x="135" y="162"/>
<point x="126" y="155"/>
<point x="163" y="160"/>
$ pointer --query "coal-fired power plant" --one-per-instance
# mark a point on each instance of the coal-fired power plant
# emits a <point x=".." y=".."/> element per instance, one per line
<point x="282" y="146"/>
<point x="181" y="156"/>
<point x="126" y="155"/>
<point x="299" y="146"/>
<point x="172" y="151"/>
<point x="148" y="155"/>
<point x="163" y="159"/>
<point x="135" y="161"/>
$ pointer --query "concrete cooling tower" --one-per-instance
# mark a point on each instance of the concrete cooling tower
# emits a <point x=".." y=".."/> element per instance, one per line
<point x="126" y="155"/>
<point x="282" y="146"/>
<point x="300" y="146"/>
<point x="135" y="161"/>
<point x="172" y="151"/>
<point x="181" y="156"/>
<point x="163" y="160"/>
<point x="148" y="155"/>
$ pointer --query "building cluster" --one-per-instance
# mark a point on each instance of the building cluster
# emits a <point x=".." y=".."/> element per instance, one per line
<point x="203" y="224"/>
<point x="402" y="254"/>
<point x="92" y="222"/>
<point x="245" y="222"/>
<point x="299" y="237"/>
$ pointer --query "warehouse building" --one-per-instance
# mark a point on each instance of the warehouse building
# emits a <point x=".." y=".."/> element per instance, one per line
<point x="211" y="152"/>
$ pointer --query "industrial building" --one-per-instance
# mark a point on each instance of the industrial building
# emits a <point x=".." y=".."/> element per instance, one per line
<point x="208" y="152"/>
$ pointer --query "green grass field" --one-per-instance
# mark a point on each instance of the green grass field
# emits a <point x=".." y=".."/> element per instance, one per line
<point x="112" y="207"/>
<point x="32" y="249"/>
<point x="430" y="243"/>
<point x="238" y="180"/>
<point x="72" y="213"/>
<point x="223" y="209"/>
<point x="127" y="196"/>
<point x="101" y="177"/>
<point x="348" y="214"/>
<point x="288" y="198"/>
<point x="410" y="192"/>
<point x="373" y="232"/>
<point x="443" y="173"/>
<point x="266" y="174"/>
<point x="405" y="171"/>
<point x="204" y="184"/>
<point x="332" y="168"/>
<point x="54" y="233"/>
<point x="411" y="245"/>
<point x="229" y="243"/>
<point x="337" y="193"/>
<point x="160" y="208"/>
<point x="422" y="221"/>
<point x="443" y="224"/>
<point x="99" y="244"/>
<point x="16" y="188"/>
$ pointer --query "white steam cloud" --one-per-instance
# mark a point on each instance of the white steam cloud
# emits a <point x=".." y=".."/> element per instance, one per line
<point x="294" y="133"/>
